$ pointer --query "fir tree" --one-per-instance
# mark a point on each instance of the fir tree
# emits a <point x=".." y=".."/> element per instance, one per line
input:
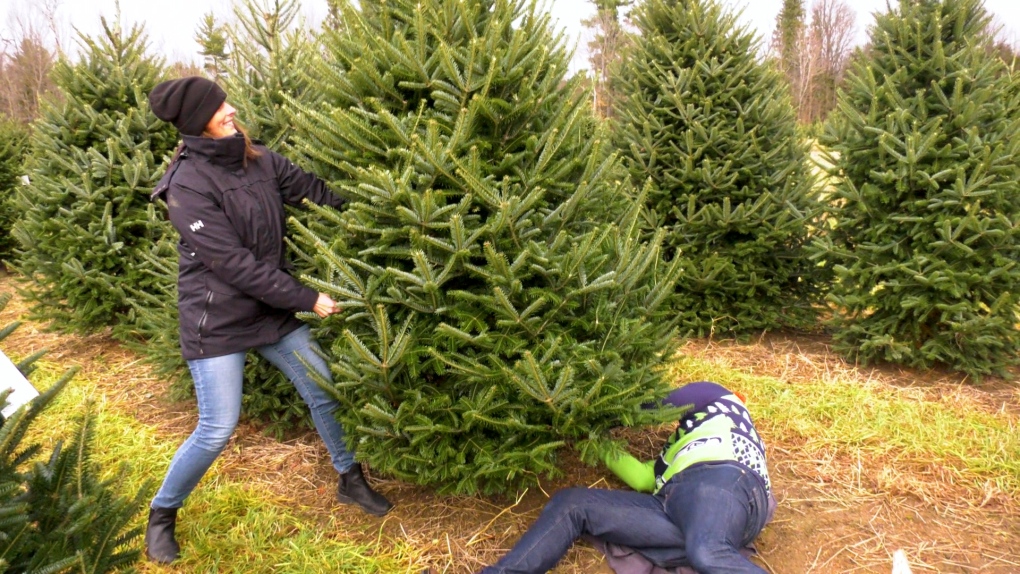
<point x="76" y="515"/>
<point x="605" y="51"/>
<point x="92" y="162"/>
<point x="333" y="18"/>
<point x="13" y="137"/>
<point x="213" y="40"/>
<point x="926" y="199"/>
<point x="787" y="38"/>
<point x="150" y="325"/>
<point x="498" y="301"/>
<point x="268" y="62"/>
<point x="56" y="515"/>
<point x="16" y="526"/>
<point x="712" y="129"/>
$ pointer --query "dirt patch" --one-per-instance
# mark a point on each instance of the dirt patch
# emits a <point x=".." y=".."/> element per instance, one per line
<point x="834" y="515"/>
<point x="798" y="357"/>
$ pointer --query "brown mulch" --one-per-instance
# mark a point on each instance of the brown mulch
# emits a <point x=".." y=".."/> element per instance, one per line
<point x="834" y="515"/>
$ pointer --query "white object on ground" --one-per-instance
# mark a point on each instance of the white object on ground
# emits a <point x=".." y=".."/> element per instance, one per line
<point x="900" y="565"/>
<point x="11" y="378"/>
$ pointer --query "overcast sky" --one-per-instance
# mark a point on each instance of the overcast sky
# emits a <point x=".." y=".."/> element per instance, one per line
<point x="171" y="24"/>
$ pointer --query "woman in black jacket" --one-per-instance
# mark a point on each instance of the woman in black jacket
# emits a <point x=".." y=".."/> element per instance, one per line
<point x="225" y="197"/>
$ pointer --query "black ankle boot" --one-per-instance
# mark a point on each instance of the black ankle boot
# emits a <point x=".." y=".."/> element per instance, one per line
<point x="354" y="489"/>
<point x="160" y="545"/>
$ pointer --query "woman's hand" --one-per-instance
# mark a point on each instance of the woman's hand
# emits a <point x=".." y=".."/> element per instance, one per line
<point x="326" y="306"/>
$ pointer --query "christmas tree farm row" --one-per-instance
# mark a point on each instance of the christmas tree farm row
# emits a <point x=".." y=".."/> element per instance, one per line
<point x="513" y="269"/>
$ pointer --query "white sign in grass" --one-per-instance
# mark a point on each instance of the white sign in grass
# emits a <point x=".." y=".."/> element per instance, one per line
<point x="11" y="378"/>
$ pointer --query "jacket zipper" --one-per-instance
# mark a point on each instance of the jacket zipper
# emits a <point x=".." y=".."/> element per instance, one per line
<point x="264" y="206"/>
<point x="201" y="322"/>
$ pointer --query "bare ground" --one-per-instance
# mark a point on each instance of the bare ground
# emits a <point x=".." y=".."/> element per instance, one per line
<point x="834" y="515"/>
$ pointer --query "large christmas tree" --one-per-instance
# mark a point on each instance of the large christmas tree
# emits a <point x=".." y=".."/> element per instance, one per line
<point x="711" y="128"/>
<point x="498" y="301"/>
<point x="926" y="194"/>
<point x="94" y="157"/>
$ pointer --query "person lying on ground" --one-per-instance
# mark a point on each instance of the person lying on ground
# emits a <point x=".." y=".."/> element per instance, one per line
<point x="698" y="506"/>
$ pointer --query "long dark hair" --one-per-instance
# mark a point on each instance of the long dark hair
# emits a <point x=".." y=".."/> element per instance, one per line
<point x="249" y="150"/>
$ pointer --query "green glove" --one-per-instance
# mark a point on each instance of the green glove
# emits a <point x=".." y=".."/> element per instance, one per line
<point x="638" y="475"/>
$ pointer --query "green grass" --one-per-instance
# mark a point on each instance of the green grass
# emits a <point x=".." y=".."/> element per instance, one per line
<point x="235" y="528"/>
<point x="227" y="525"/>
<point x="874" y="421"/>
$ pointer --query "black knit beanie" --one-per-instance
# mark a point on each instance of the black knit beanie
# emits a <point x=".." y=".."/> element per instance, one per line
<point x="188" y="103"/>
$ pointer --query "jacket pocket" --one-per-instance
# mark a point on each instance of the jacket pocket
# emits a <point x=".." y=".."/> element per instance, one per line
<point x="227" y="310"/>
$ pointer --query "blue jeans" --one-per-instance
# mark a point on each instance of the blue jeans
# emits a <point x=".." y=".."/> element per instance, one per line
<point x="700" y="518"/>
<point x="218" y="383"/>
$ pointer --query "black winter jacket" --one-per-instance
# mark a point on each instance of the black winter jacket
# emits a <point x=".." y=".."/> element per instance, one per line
<point x="235" y="291"/>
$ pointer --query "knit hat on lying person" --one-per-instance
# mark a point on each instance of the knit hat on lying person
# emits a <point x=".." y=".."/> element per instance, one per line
<point x="188" y="103"/>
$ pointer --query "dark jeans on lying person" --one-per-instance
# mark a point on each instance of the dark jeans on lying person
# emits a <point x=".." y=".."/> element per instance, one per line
<point x="700" y="518"/>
